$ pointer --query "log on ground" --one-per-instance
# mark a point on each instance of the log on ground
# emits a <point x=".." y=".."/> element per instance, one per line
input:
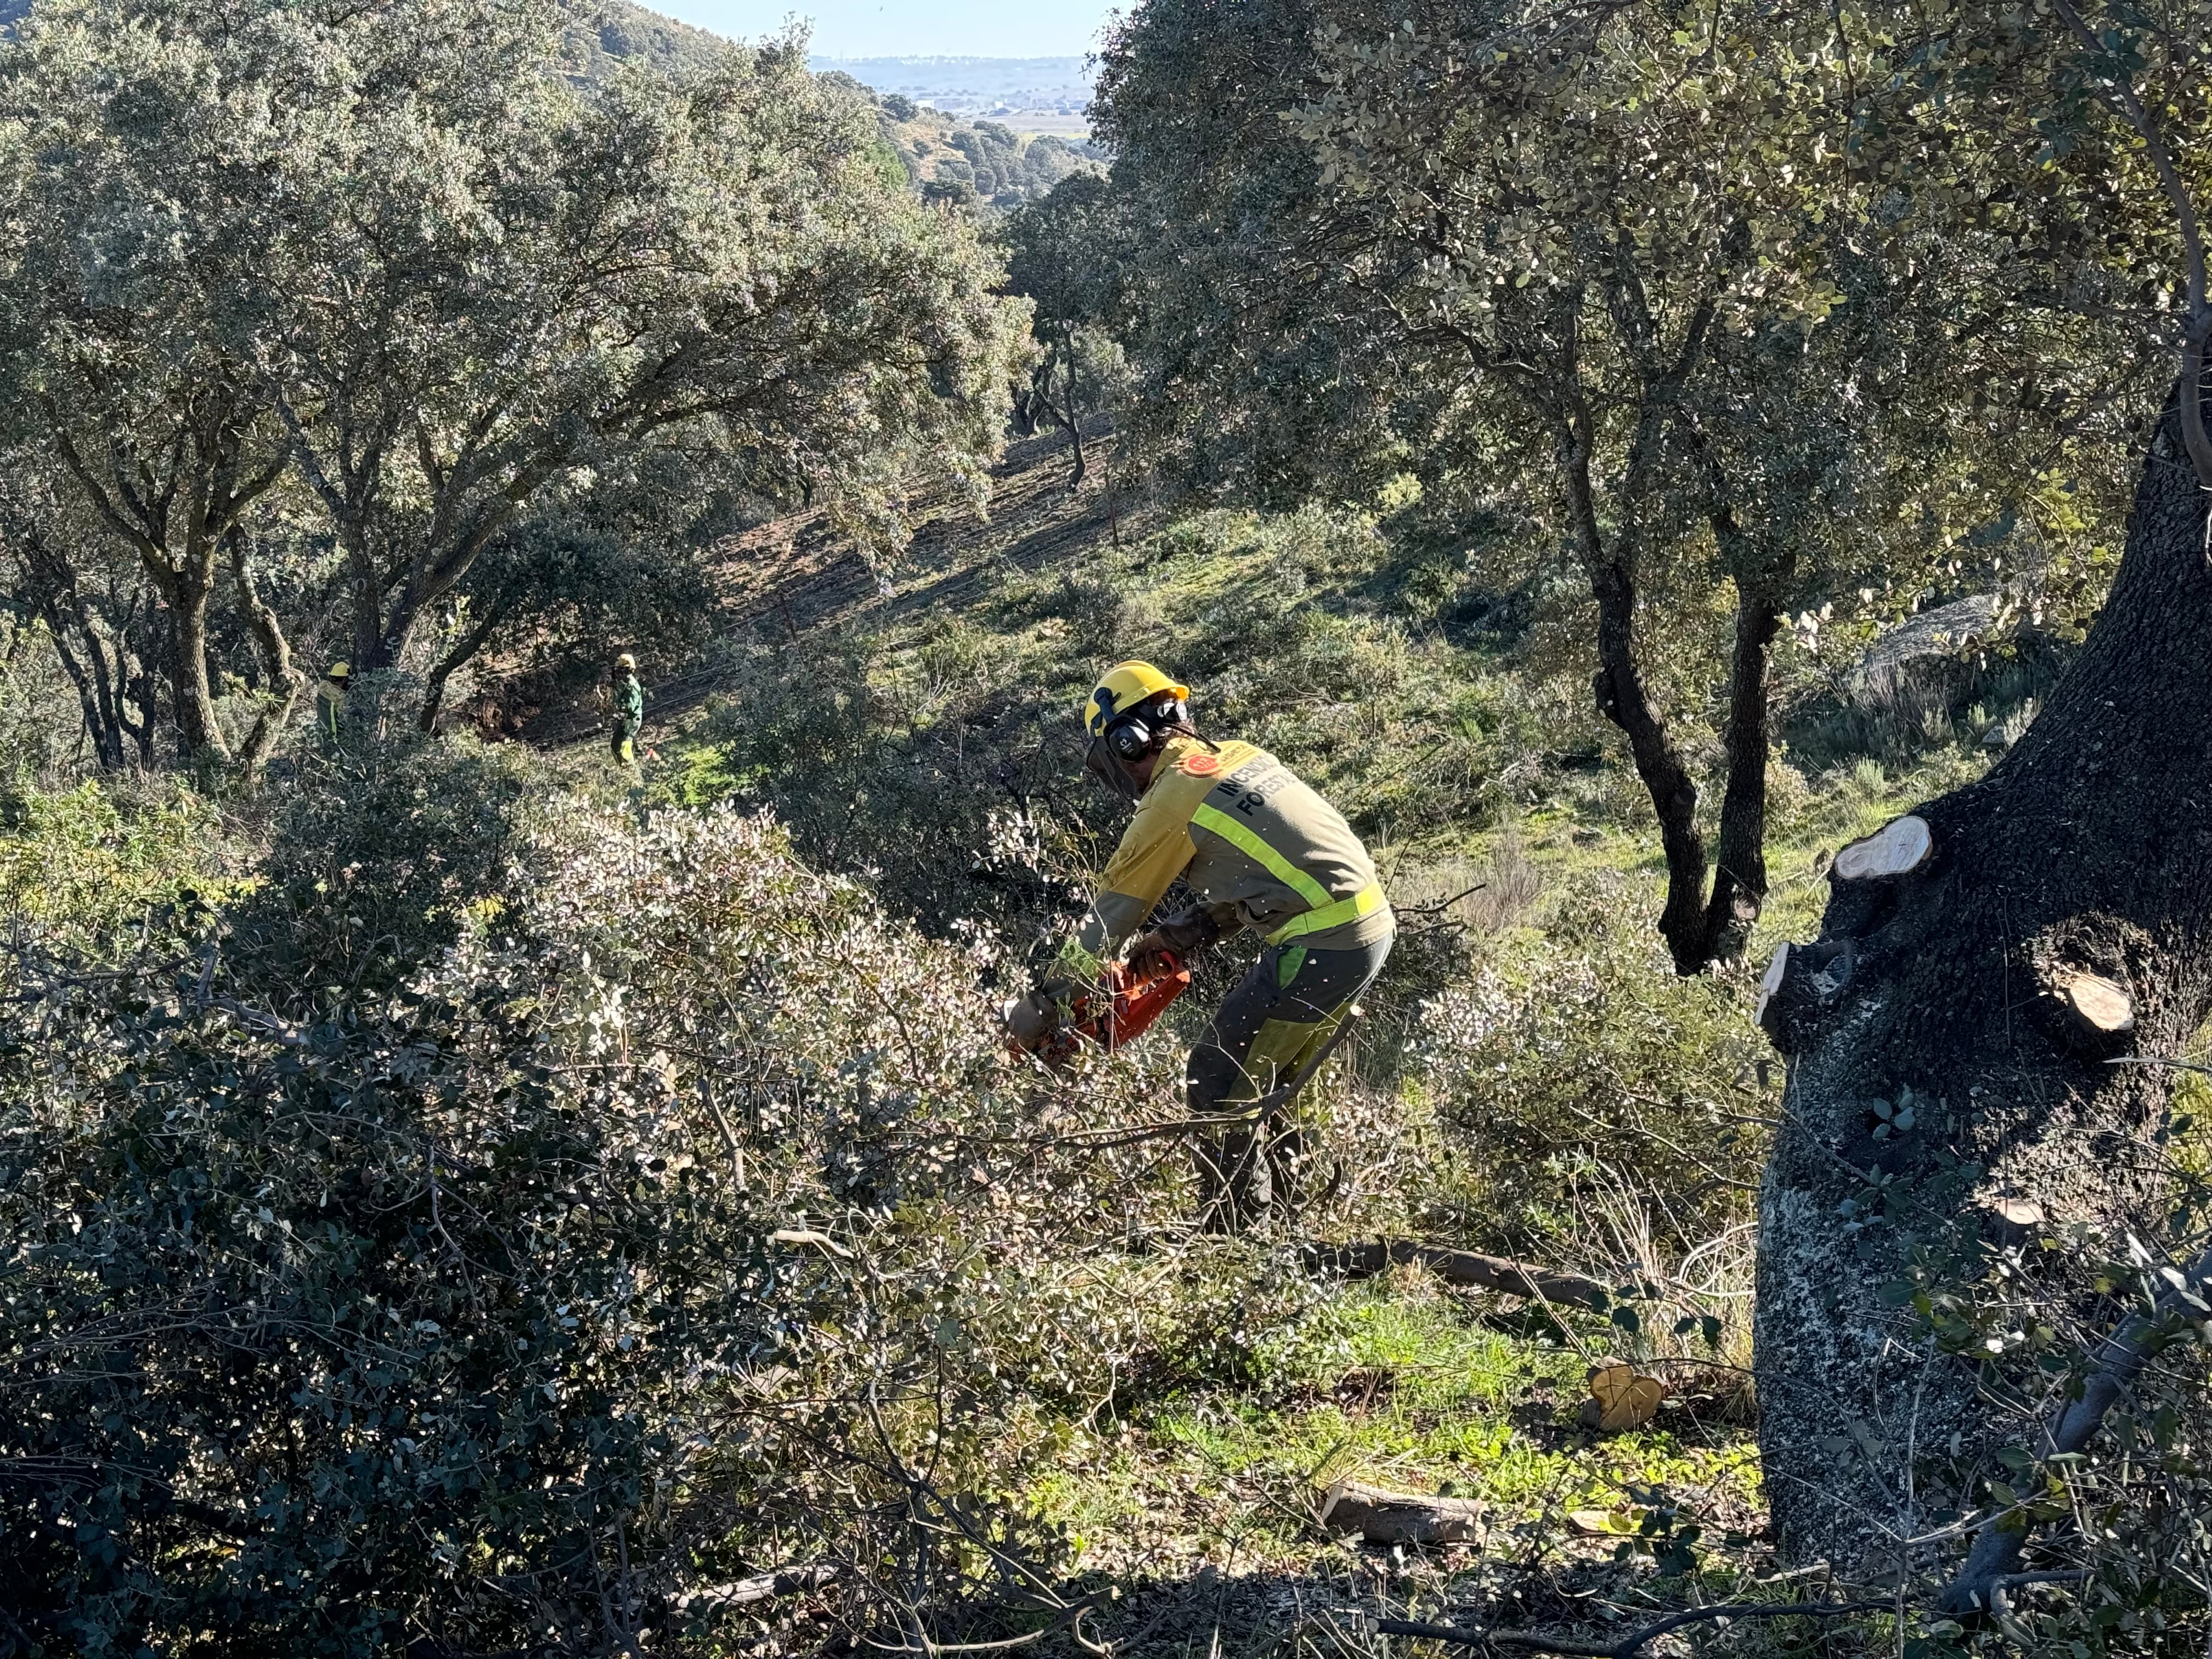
<point x="1489" y="1273"/>
<point x="1398" y="1517"/>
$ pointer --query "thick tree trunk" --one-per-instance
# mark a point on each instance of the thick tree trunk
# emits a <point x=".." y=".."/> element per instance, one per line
<point x="1954" y="982"/>
<point x="1740" y="849"/>
<point x="197" y="726"/>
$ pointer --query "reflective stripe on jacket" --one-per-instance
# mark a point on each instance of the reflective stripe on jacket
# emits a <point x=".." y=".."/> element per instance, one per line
<point x="1257" y="845"/>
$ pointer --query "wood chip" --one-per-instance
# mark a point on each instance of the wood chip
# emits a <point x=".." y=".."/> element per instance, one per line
<point x="1625" y="1399"/>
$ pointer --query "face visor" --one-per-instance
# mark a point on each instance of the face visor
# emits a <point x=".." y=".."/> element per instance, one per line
<point x="1098" y="761"/>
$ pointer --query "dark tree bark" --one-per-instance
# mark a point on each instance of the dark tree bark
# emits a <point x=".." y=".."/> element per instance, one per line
<point x="1762" y="572"/>
<point x="192" y="692"/>
<point x="1966" y="988"/>
<point x="434" y="695"/>
<point x="174" y="513"/>
<point x="1700" y="925"/>
<point x="1064" y="407"/>
<point x="91" y="631"/>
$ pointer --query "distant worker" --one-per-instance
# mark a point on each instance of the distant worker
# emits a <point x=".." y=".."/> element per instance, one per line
<point x="1259" y="850"/>
<point x="331" y="701"/>
<point x="629" y="710"/>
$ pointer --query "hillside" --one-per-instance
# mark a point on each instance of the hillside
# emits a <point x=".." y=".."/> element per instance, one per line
<point x="1028" y="94"/>
<point x="532" y="1121"/>
<point x="913" y="725"/>
<point x="944" y="144"/>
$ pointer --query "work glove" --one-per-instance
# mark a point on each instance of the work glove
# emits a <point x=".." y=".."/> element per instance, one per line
<point x="1033" y="1019"/>
<point x="1183" y="935"/>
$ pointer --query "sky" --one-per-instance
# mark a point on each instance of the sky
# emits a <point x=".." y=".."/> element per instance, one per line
<point x="902" y="28"/>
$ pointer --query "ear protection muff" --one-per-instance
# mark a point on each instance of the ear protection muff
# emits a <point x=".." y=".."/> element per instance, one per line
<point x="1130" y="740"/>
<point x="1131" y="737"/>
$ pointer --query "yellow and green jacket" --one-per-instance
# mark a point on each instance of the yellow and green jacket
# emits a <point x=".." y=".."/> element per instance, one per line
<point x="1258" y="846"/>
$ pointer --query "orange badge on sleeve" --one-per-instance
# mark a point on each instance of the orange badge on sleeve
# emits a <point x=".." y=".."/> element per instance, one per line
<point x="1201" y="765"/>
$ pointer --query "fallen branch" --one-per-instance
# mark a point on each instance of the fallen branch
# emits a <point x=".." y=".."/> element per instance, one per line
<point x="762" y="1587"/>
<point x="1489" y="1273"/>
<point x="2120" y="1360"/>
<point x="1629" y="1646"/>
<point x="1398" y="1517"/>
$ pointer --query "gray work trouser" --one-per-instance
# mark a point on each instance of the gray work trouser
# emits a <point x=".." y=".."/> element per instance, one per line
<point x="1285" y="1008"/>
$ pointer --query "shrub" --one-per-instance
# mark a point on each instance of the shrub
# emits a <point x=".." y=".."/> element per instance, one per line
<point x="507" y="1303"/>
<point x="374" y="855"/>
<point x="1588" y="1052"/>
<point x="81" y="867"/>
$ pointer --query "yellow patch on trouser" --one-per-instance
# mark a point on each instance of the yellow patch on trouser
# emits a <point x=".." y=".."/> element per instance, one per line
<point x="1280" y="1047"/>
<point x="1245" y="1169"/>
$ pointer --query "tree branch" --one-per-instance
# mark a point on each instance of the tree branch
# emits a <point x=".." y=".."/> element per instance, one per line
<point x="2193" y="434"/>
<point x="1635" y="1641"/>
<point x="2120" y="1360"/>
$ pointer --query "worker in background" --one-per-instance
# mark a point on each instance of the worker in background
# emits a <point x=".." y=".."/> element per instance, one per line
<point x="629" y="710"/>
<point x="1259" y="850"/>
<point x="331" y="702"/>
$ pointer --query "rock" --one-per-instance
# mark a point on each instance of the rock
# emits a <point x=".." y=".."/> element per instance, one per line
<point x="1916" y="649"/>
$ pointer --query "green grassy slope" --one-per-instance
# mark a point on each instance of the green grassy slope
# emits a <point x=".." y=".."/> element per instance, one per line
<point x="916" y="723"/>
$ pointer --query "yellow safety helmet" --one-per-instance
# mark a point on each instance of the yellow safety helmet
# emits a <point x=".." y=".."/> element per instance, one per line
<point x="626" y="660"/>
<point x="337" y="671"/>
<point x="1124" y="687"/>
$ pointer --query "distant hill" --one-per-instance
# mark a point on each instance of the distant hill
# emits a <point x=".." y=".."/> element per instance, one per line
<point x="975" y="86"/>
<point x="617" y="29"/>
<point x="988" y="164"/>
<point x="920" y="103"/>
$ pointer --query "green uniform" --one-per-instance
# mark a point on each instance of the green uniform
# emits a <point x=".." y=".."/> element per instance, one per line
<point x="330" y="710"/>
<point x="1260" y="850"/>
<point x="629" y="716"/>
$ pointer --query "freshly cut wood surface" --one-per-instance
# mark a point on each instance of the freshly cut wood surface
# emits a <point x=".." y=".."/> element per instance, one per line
<point x="1770" y="981"/>
<point x="1898" y="848"/>
<point x="2099" y="1004"/>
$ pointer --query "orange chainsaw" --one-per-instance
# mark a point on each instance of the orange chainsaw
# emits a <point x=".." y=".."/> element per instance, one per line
<point x="1049" y="1020"/>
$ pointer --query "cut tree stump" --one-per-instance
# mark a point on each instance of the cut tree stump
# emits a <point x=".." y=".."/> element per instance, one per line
<point x="2100" y="1004"/>
<point x="1898" y="848"/>
<point x="1400" y="1517"/>
<point x="1489" y="1273"/>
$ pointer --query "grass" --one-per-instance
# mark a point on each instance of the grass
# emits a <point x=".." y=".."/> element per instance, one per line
<point x="1412" y="1390"/>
